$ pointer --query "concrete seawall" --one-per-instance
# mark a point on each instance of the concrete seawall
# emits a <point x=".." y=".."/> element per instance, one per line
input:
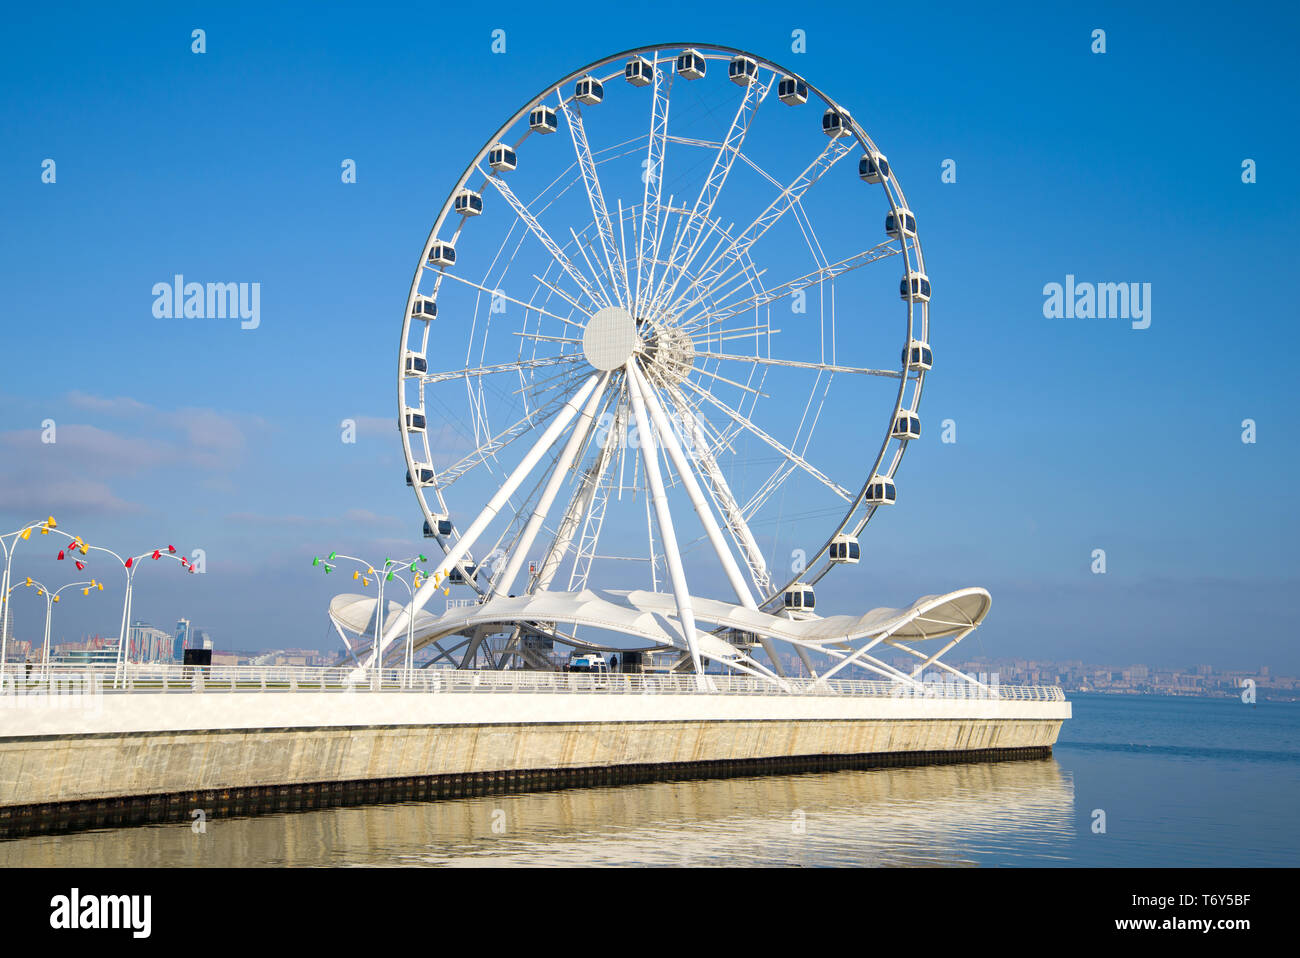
<point x="140" y="745"/>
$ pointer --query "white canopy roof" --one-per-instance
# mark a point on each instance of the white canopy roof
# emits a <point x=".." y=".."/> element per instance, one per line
<point x="652" y="616"/>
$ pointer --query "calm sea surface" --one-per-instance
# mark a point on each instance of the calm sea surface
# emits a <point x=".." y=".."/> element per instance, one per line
<point x="1181" y="782"/>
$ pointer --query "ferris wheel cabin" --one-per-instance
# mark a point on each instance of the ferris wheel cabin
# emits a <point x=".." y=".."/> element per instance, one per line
<point x="543" y="120"/>
<point x="442" y="254"/>
<point x="845" y="548"/>
<point x="800" y="598"/>
<point x="742" y="70"/>
<point x="836" y="122"/>
<point x="917" y="355"/>
<point x="589" y="91"/>
<point x="639" y="71"/>
<point x="416" y="364"/>
<point x="881" y="491"/>
<point x="467" y="203"/>
<point x="906" y="426"/>
<point x="414" y="420"/>
<point x="425" y="308"/>
<point x="462" y="574"/>
<point x="873" y="167"/>
<point x="915" y="288"/>
<point x="792" y="91"/>
<point x="423" y="475"/>
<point x="442" y="529"/>
<point x="900" y="223"/>
<point x="502" y="159"/>
<point x="690" y="64"/>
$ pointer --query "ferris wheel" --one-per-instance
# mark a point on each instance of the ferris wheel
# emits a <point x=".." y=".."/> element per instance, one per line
<point x="671" y="323"/>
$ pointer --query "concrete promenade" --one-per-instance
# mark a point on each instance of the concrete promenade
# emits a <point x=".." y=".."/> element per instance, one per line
<point x="203" y="736"/>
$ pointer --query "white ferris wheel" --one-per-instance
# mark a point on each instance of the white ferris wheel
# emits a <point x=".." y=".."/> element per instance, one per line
<point x="671" y="321"/>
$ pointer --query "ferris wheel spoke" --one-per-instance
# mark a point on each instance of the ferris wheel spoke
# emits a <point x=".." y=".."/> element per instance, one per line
<point x="776" y="444"/>
<point x="557" y="254"/>
<point x="857" y="261"/>
<point x="596" y="197"/>
<point x="717" y="377"/>
<point x="598" y="270"/>
<point x="727" y="335"/>
<point x="528" y="307"/>
<point x="494" y="444"/>
<point x="748" y="278"/>
<point x="517" y="366"/>
<point x="542" y="338"/>
<point x="712" y="272"/>
<point x="794" y="364"/>
<point x="563" y="295"/>
<point x="656" y="155"/>
<point x="702" y="212"/>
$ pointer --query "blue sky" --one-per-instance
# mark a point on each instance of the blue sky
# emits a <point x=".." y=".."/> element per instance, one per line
<point x="1073" y="434"/>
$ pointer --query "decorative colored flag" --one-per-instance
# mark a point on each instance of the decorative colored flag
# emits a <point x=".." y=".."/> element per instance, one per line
<point x="171" y="548"/>
<point x="80" y="565"/>
<point x="157" y="554"/>
<point x="60" y="555"/>
<point x="129" y="560"/>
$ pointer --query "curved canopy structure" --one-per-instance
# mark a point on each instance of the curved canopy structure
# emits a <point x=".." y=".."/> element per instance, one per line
<point x="651" y="616"/>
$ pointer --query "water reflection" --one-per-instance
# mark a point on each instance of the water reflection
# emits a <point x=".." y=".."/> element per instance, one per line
<point x="1005" y="812"/>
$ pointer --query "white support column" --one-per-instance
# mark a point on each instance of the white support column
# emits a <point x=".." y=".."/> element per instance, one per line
<point x="650" y="456"/>
<point x="807" y="662"/>
<point x="463" y="544"/>
<point x="552" y="489"/>
<point x="687" y="472"/>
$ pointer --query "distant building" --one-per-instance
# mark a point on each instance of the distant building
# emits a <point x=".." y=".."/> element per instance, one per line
<point x="182" y="636"/>
<point x="147" y="644"/>
<point x="84" y="656"/>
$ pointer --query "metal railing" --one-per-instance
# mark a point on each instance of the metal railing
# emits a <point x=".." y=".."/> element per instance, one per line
<point x="240" y="678"/>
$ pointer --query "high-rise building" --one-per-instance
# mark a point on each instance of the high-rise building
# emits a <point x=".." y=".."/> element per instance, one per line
<point x="182" y="636"/>
<point x="147" y="644"/>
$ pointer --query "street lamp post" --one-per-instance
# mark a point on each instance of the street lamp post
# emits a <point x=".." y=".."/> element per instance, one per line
<point x="130" y="564"/>
<point x="9" y="542"/>
<point x="51" y="597"/>
<point x="386" y="573"/>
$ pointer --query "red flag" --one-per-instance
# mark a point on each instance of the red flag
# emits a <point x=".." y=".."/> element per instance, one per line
<point x="129" y="561"/>
<point x="171" y="548"/>
<point x="60" y="555"/>
<point x="157" y="554"/>
<point x="80" y="565"/>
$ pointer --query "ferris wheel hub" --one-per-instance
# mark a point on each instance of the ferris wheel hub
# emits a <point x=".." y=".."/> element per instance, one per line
<point x="609" y="338"/>
<point x="668" y="352"/>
